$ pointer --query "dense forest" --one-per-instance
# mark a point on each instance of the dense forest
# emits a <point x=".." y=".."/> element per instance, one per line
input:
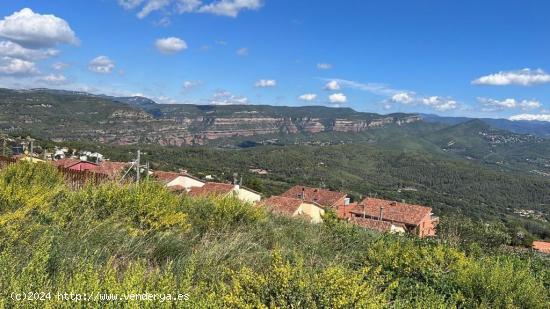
<point x="218" y="252"/>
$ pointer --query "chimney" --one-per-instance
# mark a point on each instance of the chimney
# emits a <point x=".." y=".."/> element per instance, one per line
<point x="381" y="212"/>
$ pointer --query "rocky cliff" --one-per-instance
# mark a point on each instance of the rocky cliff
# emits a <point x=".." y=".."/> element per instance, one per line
<point x="62" y="115"/>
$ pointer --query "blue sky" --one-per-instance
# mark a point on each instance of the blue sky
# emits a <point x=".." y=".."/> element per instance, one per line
<point x="473" y="58"/>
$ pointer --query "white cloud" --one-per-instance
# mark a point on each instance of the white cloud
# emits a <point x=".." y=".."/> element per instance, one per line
<point x="17" y="67"/>
<point x="54" y="79"/>
<point x="190" y="84"/>
<point x="170" y="45"/>
<point x="130" y="4"/>
<point x="266" y="83"/>
<point x="440" y="103"/>
<point x="230" y="8"/>
<point x="530" y="104"/>
<point x="525" y="77"/>
<point x="376" y="88"/>
<point x="332" y="85"/>
<point x="338" y="98"/>
<point x="187" y="6"/>
<point x="58" y="66"/>
<point x="324" y="66"/>
<point x="242" y="51"/>
<point x="101" y="64"/>
<point x="308" y="97"/>
<point x="223" y="97"/>
<point x="403" y="97"/>
<point x="531" y="117"/>
<point x="33" y="30"/>
<point x="493" y="105"/>
<point x="14" y="50"/>
<point x="151" y="6"/>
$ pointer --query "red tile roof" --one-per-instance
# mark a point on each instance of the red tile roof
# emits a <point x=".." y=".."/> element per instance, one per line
<point x="112" y="169"/>
<point x="371" y="224"/>
<point x="392" y="211"/>
<point x="323" y="197"/>
<point x="542" y="246"/>
<point x="212" y="188"/>
<point x="66" y="163"/>
<point x="166" y="176"/>
<point x="281" y="204"/>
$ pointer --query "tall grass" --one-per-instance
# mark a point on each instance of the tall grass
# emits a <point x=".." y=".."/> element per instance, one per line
<point x="123" y="239"/>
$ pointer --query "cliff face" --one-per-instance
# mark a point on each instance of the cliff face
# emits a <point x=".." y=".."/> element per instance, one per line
<point x="63" y="116"/>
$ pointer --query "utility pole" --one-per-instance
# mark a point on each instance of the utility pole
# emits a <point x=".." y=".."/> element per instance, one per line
<point x="31" y="141"/>
<point x="4" y="137"/>
<point x="138" y="165"/>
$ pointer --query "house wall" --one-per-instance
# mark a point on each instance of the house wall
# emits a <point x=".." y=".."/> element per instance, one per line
<point x="312" y="210"/>
<point x="426" y="227"/>
<point x="247" y="196"/>
<point x="186" y="182"/>
<point x="397" y="229"/>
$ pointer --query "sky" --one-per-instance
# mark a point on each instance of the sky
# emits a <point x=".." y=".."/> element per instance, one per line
<point x="487" y="59"/>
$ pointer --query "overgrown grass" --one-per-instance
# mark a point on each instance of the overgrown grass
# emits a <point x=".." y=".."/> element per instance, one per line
<point x="124" y="239"/>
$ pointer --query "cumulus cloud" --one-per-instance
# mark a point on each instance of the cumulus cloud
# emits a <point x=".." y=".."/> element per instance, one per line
<point x="493" y="105"/>
<point x="324" y="66"/>
<point x="242" y="51"/>
<point x="32" y="30"/>
<point x="17" y="67"/>
<point x="222" y="97"/>
<point x="525" y="77"/>
<point x="440" y="103"/>
<point x="54" y="79"/>
<point x="101" y="64"/>
<point x="403" y="97"/>
<point x="308" y="97"/>
<point x="14" y="50"/>
<point x="266" y="83"/>
<point x="531" y="117"/>
<point x="230" y="8"/>
<point x="332" y="85"/>
<point x="530" y="104"/>
<point x="170" y="45"/>
<point x="337" y="98"/>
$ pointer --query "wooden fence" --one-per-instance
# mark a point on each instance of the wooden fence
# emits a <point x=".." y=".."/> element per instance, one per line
<point x="77" y="179"/>
<point x="5" y="161"/>
<point x="74" y="179"/>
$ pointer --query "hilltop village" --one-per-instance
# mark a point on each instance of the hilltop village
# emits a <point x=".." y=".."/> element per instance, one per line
<point x="299" y="201"/>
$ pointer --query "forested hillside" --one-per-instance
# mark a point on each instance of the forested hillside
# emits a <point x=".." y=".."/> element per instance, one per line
<point x="120" y="239"/>
<point x="450" y="186"/>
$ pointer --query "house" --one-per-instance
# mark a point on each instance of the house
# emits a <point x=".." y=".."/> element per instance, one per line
<point x="378" y="225"/>
<point x="541" y="246"/>
<point x="295" y="207"/>
<point x="326" y="198"/>
<point x="415" y="219"/>
<point x="178" y="181"/>
<point x="225" y="189"/>
<point x="112" y="169"/>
